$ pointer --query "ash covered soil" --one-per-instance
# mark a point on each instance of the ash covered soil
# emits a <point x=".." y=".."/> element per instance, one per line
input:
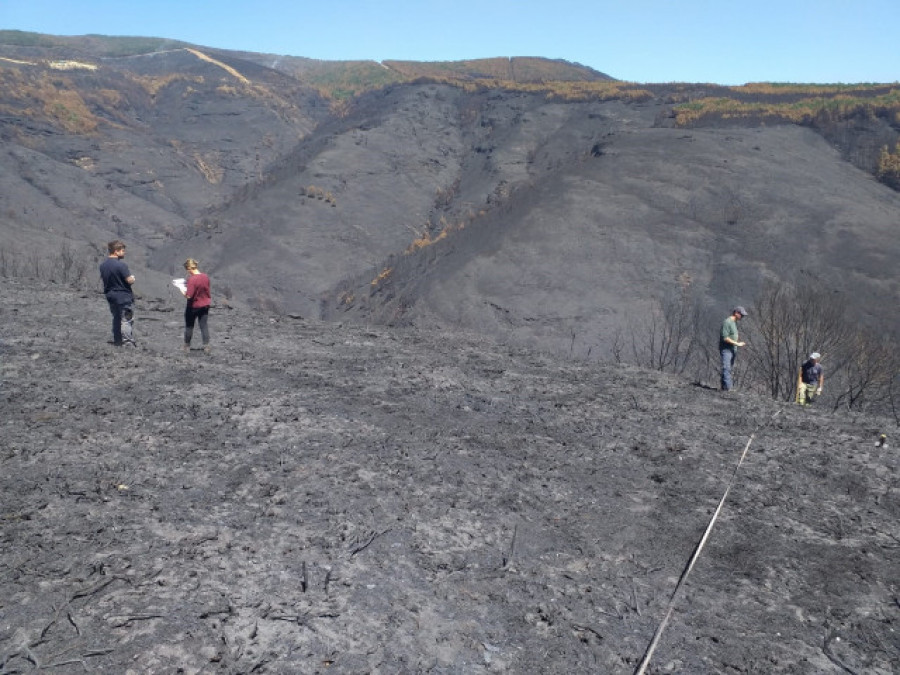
<point x="315" y="498"/>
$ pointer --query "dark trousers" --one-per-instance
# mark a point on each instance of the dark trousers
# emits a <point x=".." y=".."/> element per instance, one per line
<point x="192" y="316"/>
<point x="121" y="308"/>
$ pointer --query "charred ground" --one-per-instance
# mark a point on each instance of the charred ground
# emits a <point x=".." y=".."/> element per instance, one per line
<point x="317" y="497"/>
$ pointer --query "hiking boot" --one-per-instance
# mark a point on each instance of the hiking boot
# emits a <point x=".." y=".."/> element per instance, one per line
<point x="186" y="349"/>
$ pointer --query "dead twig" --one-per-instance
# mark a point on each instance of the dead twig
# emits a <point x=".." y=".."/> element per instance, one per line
<point x="512" y="546"/>
<point x="93" y="590"/>
<point x="46" y="629"/>
<point x="59" y="664"/>
<point x="586" y="629"/>
<point x="80" y="659"/>
<point x="24" y="653"/>
<point x="616" y="615"/>
<point x="827" y="650"/>
<point x="125" y="620"/>
<point x="368" y="542"/>
<point x="260" y="664"/>
<point x="72" y="621"/>
<point x="299" y="619"/>
<point x="637" y="609"/>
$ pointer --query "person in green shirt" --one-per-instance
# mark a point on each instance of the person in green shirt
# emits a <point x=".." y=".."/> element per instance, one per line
<point x="728" y="344"/>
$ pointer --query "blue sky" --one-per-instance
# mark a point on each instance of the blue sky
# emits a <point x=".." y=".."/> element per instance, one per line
<point x="718" y="41"/>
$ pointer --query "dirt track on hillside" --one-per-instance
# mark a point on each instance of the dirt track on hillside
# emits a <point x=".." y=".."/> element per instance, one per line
<point x="324" y="498"/>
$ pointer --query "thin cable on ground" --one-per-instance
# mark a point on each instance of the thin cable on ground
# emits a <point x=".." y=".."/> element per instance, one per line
<point x="693" y="559"/>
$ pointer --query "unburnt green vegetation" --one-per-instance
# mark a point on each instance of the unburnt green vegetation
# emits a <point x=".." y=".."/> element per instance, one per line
<point x="889" y="166"/>
<point x="515" y="69"/>
<point x="799" y="104"/>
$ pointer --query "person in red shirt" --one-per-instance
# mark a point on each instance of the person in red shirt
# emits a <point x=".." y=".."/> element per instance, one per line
<point x="198" y="301"/>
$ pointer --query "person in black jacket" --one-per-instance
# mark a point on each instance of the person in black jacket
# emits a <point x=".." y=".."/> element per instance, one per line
<point x="117" y="281"/>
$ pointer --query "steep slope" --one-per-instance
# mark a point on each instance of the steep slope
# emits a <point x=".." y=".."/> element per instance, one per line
<point x="633" y="213"/>
<point x="358" y="191"/>
<point x="178" y="128"/>
<point x="404" y="166"/>
<point x="137" y="147"/>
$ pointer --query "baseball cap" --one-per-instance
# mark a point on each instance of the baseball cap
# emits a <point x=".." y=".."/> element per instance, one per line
<point x="815" y="355"/>
<point x="740" y="310"/>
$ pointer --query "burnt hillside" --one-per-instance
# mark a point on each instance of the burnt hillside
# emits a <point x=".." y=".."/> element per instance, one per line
<point x="537" y="201"/>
